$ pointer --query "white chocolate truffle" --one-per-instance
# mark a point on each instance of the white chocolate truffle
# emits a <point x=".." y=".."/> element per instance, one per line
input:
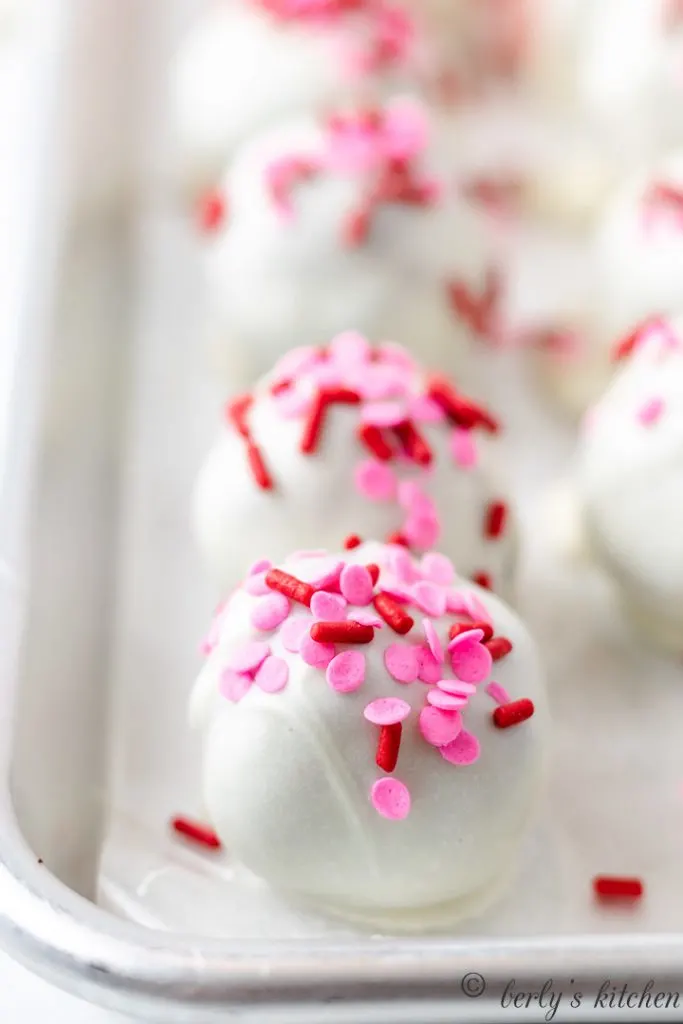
<point x="354" y="440"/>
<point x="630" y="483"/>
<point x="375" y="773"/>
<point x="347" y="224"/>
<point x="248" y="64"/>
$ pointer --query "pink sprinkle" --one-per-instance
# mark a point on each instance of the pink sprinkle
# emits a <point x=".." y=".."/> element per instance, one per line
<point x="350" y="347"/>
<point x="401" y="662"/>
<point x="412" y="497"/>
<point x="390" y="798"/>
<point x="272" y="675"/>
<point x="368" y="619"/>
<point x="435" y="645"/>
<point x="293" y="632"/>
<point x="346" y="671"/>
<point x="425" y="410"/>
<point x="270" y="612"/>
<point x="463" y="750"/>
<point x="439" y="727"/>
<point x="446" y="701"/>
<point x="437" y="569"/>
<point x="422" y="531"/>
<point x="248" y="657"/>
<point x="400" y="564"/>
<point x="456" y="603"/>
<point x="296" y="362"/>
<point x="430" y="670"/>
<point x="395" y="355"/>
<point x="328" y="607"/>
<point x="651" y="411"/>
<point x="456" y="687"/>
<point x="292" y="404"/>
<point x="471" y="661"/>
<point x="387" y="711"/>
<point x="256" y="585"/>
<point x="498" y="693"/>
<point x="213" y="635"/>
<point x="263" y="565"/>
<point x="375" y="480"/>
<point x="356" y="584"/>
<point x="320" y="572"/>
<point x="398" y="592"/>
<point x="463" y="448"/>
<point x="384" y="414"/>
<point x="233" y="685"/>
<point x="476" y="608"/>
<point x="314" y="654"/>
<point x="430" y="598"/>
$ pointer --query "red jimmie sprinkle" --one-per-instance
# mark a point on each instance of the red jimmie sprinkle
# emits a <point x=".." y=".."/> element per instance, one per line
<point x="258" y="468"/>
<point x="290" y="586"/>
<point x="374" y="572"/>
<point x="374" y="440"/>
<point x="211" y="211"/>
<point x="461" y="411"/>
<point x="388" y="746"/>
<point x="610" y="887"/>
<point x="512" y="714"/>
<point x="495" y="519"/>
<point x="280" y="385"/>
<point x="343" y="632"/>
<point x="197" y="832"/>
<point x="624" y="348"/>
<point x="392" y="613"/>
<point x="236" y="413"/>
<point x="414" y="445"/>
<point x="499" y="647"/>
<point x="352" y="541"/>
<point x="398" y="538"/>
<point x="482" y="579"/>
<point x="314" y="425"/>
<point x="341" y="396"/>
<point x="463" y="627"/>
<point x="477" y="311"/>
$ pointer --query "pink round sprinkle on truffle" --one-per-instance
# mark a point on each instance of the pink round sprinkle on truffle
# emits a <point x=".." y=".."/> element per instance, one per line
<point x="234" y="685"/>
<point x="375" y="480"/>
<point x="387" y="711"/>
<point x="394" y="354"/>
<point x="437" y="569"/>
<point x="273" y="674"/>
<point x="446" y="701"/>
<point x="422" y="531"/>
<point x="292" y="404"/>
<point x="328" y="607"/>
<point x="293" y="631"/>
<point x="256" y="585"/>
<point x="439" y="727"/>
<point x="651" y="411"/>
<point x="263" y="565"/>
<point x="350" y="347"/>
<point x="390" y="798"/>
<point x="346" y="671"/>
<point x="355" y="584"/>
<point x="435" y="645"/>
<point x="400" y="564"/>
<point x="463" y="750"/>
<point x="471" y="661"/>
<point x="270" y="611"/>
<point x="248" y="657"/>
<point x="456" y="687"/>
<point x="430" y="598"/>
<point x="319" y="571"/>
<point x="384" y="414"/>
<point x="401" y="662"/>
<point x="463" y="448"/>
<point x="430" y="670"/>
<point x="366" y="618"/>
<point x="412" y="497"/>
<point x="314" y="654"/>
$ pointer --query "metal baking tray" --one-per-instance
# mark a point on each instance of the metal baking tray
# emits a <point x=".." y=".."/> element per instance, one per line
<point x="106" y="411"/>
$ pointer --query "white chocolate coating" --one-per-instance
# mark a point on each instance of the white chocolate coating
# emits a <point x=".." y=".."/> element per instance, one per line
<point x="315" y="499"/>
<point x="287" y="778"/>
<point x="276" y="282"/>
<point x="630" y="485"/>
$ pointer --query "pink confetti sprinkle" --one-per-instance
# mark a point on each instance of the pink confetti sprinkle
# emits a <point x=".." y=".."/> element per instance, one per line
<point x="425" y="410"/>
<point x="498" y="693"/>
<point x="318" y="571"/>
<point x="437" y="569"/>
<point x="430" y="670"/>
<point x="412" y="497"/>
<point x="293" y="631"/>
<point x="368" y="619"/>
<point x="435" y="645"/>
<point x="395" y="355"/>
<point x="446" y="701"/>
<point x="471" y="661"/>
<point x="233" y="685"/>
<point x="328" y="607"/>
<point x="399" y="593"/>
<point x="401" y="662"/>
<point x="376" y="383"/>
<point x="296" y="362"/>
<point x="375" y="480"/>
<point x="315" y="654"/>
<point x="476" y="608"/>
<point x="422" y="531"/>
<point x="292" y="404"/>
<point x="401" y="565"/>
<point x="346" y="671"/>
<point x="439" y="727"/>
<point x="248" y="657"/>
<point x="456" y="687"/>
<point x="356" y="584"/>
<point x="256" y="585"/>
<point x="390" y="798"/>
<point x="463" y="750"/>
<point x="430" y="598"/>
<point x="350" y="347"/>
<point x="270" y="612"/>
<point x="651" y="411"/>
<point x="273" y="674"/>
<point x="263" y="565"/>
<point x="456" y="603"/>
<point x="463" y="448"/>
<point x="384" y="414"/>
<point x="466" y="637"/>
<point x="387" y="711"/>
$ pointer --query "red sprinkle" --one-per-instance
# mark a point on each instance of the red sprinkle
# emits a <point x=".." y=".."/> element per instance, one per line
<point x="392" y="613"/>
<point x="609" y="887"/>
<point x="477" y="311"/>
<point x="352" y="541"/>
<point x="463" y="627"/>
<point x="374" y="440"/>
<point x="280" y="385"/>
<point x="482" y="579"/>
<point x="356" y="228"/>
<point x="398" y="538"/>
<point x="388" y="746"/>
<point x="314" y="425"/>
<point x="258" y="468"/>
<point x="461" y="411"/>
<point x="290" y="586"/>
<point x="211" y="211"/>
<point x="374" y="572"/>
<point x="414" y="445"/>
<point x="512" y="714"/>
<point x="495" y="519"/>
<point x="624" y="348"/>
<point x="499" y="647"/>
<point x="198" y="833"/>
<point x="236" y="413"/>
<point x="343" y="632"/>
<point x="341" y="396"/>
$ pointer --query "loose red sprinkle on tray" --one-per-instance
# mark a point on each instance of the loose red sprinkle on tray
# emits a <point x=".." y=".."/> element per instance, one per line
<point x="495" y="519"/>
<point x="344" y="632"/>
<point x="352" y="541"/>
<point x="482" y="579"/>
<point x="611" y="887"/>
<point x="498" y="647"/>
<point x="508" y="715"/>
<point x="388" y="746"/>
<point x="414" y="445"/>
<point x="461" y="411"/>
<point x="198" y="833"/>
<point x="290" y="586"/>
<point x="392" y="613"/>
<point x="211" y="211"/>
